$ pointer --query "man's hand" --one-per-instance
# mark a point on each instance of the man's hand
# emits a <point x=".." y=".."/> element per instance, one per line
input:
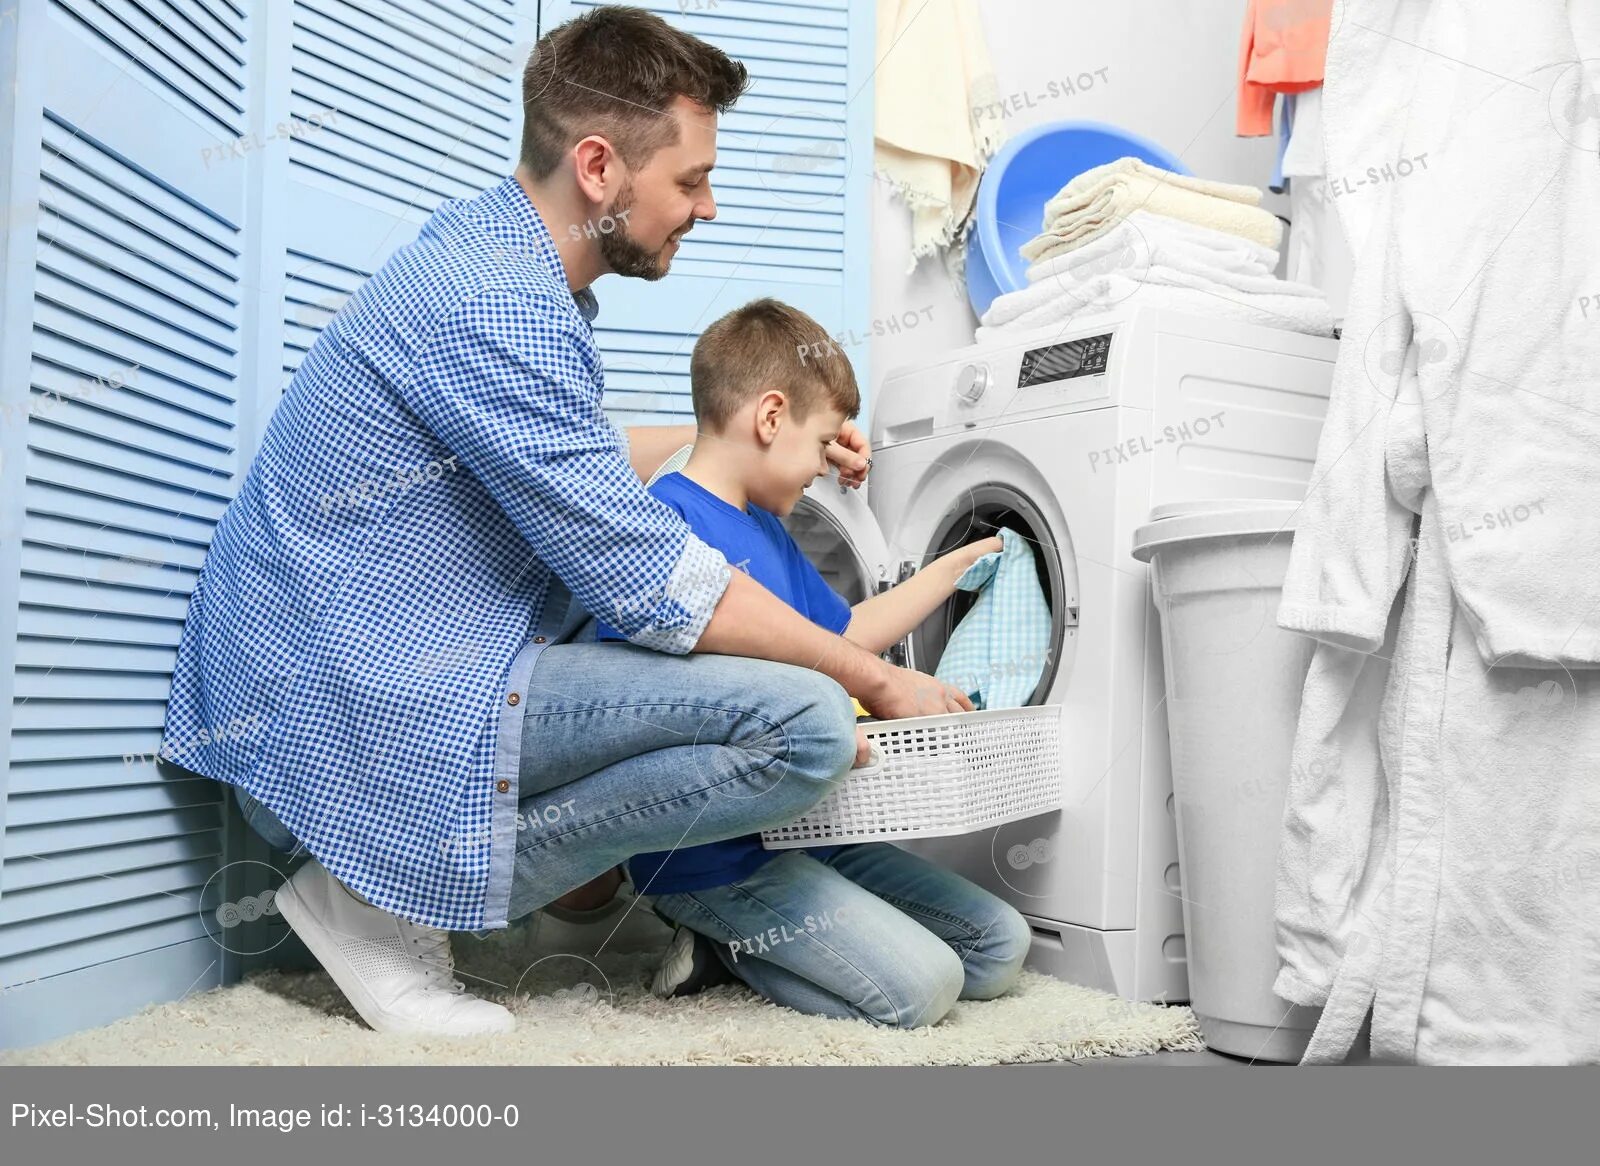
<point x="851" y="452"/>
<point x="904" y="693"/>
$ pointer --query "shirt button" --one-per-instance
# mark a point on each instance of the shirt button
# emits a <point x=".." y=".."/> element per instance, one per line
<point x="538" y="639"/>
<point x="502" y="785"/>
<point x="513" y="699"/>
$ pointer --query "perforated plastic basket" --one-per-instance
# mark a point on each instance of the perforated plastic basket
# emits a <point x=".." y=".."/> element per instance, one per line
<point x="948" y="774"/>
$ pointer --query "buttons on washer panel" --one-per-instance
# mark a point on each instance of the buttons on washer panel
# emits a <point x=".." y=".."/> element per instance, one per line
<point x="972" y="380"/>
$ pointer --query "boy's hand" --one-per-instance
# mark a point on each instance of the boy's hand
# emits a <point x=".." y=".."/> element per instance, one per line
<point x="863" y="748"/>
<point x="984" y="546"/>
<point x="904" y="693"/>
<point x="852" y="453"/>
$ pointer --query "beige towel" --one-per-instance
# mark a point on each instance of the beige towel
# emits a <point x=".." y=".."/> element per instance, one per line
<point x="938" y="117"/>
<point x="1074" y="217"/>
<point x="1093" y="179"/>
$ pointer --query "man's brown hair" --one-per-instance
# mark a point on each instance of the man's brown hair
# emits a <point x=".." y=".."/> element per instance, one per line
<point x="614" y="71"/>
<point x="768" y="345"/>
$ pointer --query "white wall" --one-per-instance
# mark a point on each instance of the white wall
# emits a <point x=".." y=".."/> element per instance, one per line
<point x="1171" y="75"/>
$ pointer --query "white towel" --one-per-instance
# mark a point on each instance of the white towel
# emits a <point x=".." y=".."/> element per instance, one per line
<point x="932" y="140"/>
<point x="1103" y="293"/>
<point x="1128" y="252"/>
<point x="1178" y="242"/>
<point x="1074" y="216"/>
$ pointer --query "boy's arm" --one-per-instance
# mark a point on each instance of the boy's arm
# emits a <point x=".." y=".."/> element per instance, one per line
<point x="882" y="621"/>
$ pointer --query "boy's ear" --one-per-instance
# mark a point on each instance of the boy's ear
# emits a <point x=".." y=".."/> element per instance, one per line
<point x="772" y="409"/>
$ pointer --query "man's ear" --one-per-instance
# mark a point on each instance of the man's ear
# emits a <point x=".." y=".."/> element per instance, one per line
<point x="772" y="410"/>
<point x="597" y="168"/>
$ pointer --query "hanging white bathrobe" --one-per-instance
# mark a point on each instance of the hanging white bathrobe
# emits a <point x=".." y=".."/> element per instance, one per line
<point x="1436" y="861"/>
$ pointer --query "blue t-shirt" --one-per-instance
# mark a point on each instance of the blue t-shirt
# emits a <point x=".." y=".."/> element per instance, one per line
<point x="755" y="542"/>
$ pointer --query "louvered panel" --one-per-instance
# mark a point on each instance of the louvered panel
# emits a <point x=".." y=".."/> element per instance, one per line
<point x="647" y="376"/>
<point x="130" y="455"/>
<point x="40" y="965"/>
<point x="80" y="182"/>
<point x="113" y="801"/>
<point x="110" y="430"/>
<point x="74" y="489"/>
<point x="62" y="372"/>
<point x="67" y="845"/>
<point x="109" y="659"/>
<point x="48" y="623"/>
<point x="143" y="476"/>
<point x="197" y="62"/>
<point x="83" y="744"/>
<point x="102" y="773"/>
<point x="59" y="940"/>
<point x="782" y="153"/>
<point x="414" y="125"/>
<point x="162" y="880"/>
<point x="32" y="716"/>
<point x="57" y="683"/>
<point x="357" y="101"/>
<point x="314" y="291"/>
<point x="90" y="596"/>
<point x="115" y="554"/>
<point x="23" y="874"/>
<point x="73" y="287"/>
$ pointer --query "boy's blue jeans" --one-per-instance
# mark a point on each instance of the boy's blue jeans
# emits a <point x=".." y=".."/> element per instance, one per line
<point x="626" y="751"/>
<point x="872" y="933"/>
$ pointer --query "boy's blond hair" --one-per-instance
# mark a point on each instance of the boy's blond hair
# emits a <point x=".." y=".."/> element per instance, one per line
<point x="768" y="345"/>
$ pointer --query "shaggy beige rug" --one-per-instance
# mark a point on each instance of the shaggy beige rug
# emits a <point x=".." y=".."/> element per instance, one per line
<point x="573" y="1010"/>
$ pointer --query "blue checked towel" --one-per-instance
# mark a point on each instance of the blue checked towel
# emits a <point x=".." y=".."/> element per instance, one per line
<point x="997" y="654"/>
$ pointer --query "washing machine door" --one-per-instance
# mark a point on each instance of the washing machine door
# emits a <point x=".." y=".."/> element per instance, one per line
<point x="840" y="536"/>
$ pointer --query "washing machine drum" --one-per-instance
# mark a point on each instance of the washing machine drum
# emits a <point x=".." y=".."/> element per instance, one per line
<point x="842" y="539"/>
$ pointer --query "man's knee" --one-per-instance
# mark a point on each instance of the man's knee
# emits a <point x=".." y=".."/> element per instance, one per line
<point x="821" y="728"/>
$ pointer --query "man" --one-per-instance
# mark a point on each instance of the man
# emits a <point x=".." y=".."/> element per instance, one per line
<point x="388" y="607"/>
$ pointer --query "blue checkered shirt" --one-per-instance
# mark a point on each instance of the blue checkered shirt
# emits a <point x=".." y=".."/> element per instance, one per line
<point x="436" y="486"/>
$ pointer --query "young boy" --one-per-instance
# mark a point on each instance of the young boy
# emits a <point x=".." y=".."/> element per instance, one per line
<point x="866" y="931"/>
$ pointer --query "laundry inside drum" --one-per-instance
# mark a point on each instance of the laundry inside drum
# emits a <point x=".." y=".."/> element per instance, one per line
<point x="984" y="511"/>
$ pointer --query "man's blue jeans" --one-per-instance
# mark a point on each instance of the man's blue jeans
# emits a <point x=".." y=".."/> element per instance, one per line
<point x="627" y="750"/>
<point x="872" y="933"/>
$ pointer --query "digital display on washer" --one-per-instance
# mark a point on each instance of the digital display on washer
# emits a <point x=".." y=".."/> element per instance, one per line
<point x="1083" y="357"/>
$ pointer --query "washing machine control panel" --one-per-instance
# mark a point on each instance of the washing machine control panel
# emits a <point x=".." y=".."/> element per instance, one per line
<point x="1086" y="356"/>
<point x="972" y="380"/>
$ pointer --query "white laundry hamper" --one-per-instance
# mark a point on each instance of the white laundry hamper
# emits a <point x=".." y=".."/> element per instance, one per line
<point x="954" y="773"/>
<point x="1233" y="697"/>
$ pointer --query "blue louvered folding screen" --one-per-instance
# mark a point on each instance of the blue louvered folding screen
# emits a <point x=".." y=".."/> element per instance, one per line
<point x="188" y="190"/>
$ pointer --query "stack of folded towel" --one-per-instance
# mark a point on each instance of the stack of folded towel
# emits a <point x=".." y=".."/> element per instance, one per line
<point x="1178" y="242"/>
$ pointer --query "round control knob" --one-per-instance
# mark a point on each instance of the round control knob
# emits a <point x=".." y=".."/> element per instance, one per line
<point x="972" y="381"/>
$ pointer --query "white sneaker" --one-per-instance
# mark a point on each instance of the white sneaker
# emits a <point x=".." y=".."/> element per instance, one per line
<point x="398" y="975"/>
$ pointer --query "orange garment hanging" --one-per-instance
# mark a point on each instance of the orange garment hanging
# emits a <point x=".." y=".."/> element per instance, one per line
<point x="1281" y="51"/>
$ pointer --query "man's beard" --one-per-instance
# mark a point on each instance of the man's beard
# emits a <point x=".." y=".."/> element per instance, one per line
<point x="622" y="253"/>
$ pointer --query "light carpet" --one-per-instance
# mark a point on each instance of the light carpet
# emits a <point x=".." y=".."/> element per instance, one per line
<point x="572" y="1010"/>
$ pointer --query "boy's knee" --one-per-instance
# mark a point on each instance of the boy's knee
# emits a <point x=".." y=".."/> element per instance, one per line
<point x="933" y="993"/>
<point x="994" y="968"/>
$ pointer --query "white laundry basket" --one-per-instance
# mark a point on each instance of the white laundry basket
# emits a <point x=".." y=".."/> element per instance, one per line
<point x="1233" y="698"/>
<point x="940" y="775"/>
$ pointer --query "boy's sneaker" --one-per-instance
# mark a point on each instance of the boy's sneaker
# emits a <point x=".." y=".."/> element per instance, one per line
<point x="690" y="966"/>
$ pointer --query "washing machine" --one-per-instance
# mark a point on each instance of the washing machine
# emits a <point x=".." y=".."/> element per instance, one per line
<point x="1071" y="436"/>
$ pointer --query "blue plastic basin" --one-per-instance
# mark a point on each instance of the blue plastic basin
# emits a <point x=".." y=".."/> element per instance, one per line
<point x="1028" y="172"/>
